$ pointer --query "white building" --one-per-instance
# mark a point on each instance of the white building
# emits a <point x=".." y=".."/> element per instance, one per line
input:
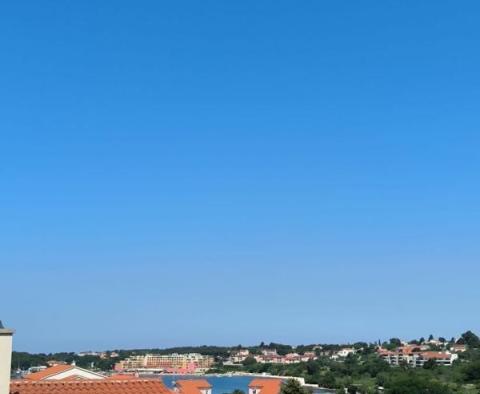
<point x="269" y="352"/>
<point x="239" y="356"/>
<point x="345" y="351"/>
<point x="417" y="358"/>
<point x="6" y="337"/>
<point x="458" y="348"/>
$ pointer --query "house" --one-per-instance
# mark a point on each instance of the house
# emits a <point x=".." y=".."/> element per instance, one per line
<point x="241" y="353"/>
<point x="458" y="348"/>
<point x="440" y="358"/>
<point x="435" y="342"/>
<point x="269" y="352"/>
<point x="239" y="356"/>
<point x="6" y="335"/>
<point x="265" y="386"/>
<point x="415" y="357"/>
<point x="292" y="358"/>
<point x="196" y="386"/>
<point x="345" y="351"/>
<point x="64" y="372"/>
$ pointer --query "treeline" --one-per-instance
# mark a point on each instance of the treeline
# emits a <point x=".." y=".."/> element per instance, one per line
<point x="225" y="351"/>
<point x="24" y="360"/>
<point x="300" y="349"/>
<point x="468" y="338"/>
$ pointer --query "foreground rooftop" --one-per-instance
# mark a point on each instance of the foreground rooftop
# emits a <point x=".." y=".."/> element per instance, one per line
<point x="90" y="387"/>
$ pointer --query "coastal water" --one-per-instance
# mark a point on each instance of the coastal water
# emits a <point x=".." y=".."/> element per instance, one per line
<point x="222" y="384"/>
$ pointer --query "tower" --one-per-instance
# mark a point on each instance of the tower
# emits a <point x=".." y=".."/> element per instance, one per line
<point x="5" y="358"/>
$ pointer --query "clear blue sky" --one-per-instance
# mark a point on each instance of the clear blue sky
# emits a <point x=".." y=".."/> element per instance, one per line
<point x="219" y="172"/>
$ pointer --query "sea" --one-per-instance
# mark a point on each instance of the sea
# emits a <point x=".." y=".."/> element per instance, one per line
<point x="224" y="384"/>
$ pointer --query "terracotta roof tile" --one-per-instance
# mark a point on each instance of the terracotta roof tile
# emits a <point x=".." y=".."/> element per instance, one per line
<point x="266" y="386"/>
<point x="48" y="372"/>
<point x="90" y="387"/>
<point x="192" y="386"/>
<point x="76" y="373"/>
<point x="435" y="355"/>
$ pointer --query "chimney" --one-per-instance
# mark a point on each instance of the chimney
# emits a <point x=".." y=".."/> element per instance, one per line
<point x="5" y="358"/>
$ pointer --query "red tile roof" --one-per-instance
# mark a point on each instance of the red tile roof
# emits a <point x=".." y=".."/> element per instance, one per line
<point x="41" y="375"/>
<point x="435" y="355"/>
<point x="51" y="372"/>
<point x="90" y="387"/>
<point x="266" y="386"/>
<point x="192" y="386"/>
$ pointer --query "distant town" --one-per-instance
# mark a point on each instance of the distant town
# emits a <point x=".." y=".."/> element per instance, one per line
<point x="446" y="365"/>
<point x="414" y="353"/>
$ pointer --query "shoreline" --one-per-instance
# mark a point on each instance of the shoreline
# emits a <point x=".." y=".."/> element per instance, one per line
<point x="301" y="380"/>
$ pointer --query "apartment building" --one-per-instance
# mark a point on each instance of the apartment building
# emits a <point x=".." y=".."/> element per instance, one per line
<point x="271" y="356"/>
<point x="175" y="362"/>
<point x="238" y="356"/>
<point x="415" y="357"/>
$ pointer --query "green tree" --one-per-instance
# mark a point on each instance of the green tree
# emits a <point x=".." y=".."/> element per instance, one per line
<point x="351" y="389"/>
<point x="312" y="367"/>
<point x="249" y="361"/>
<point x="327" y="380"/>
<point x="414" y="384"/>
<point x="395" y="342"/>
<point x="293" y="386"/>
<point x="470" y="339"/>
<point x="471" y="372"/>
<point x="430" y="364"/>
